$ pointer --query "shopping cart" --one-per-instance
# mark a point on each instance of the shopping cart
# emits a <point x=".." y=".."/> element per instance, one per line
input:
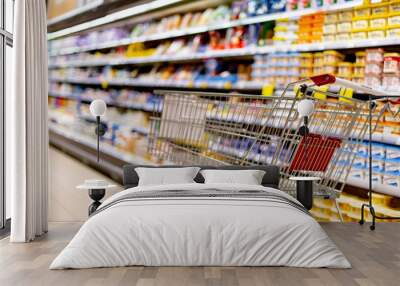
<point x="237" y="129"/>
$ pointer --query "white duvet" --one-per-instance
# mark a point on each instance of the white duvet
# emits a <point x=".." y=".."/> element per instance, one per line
<point x="200" y="231"/>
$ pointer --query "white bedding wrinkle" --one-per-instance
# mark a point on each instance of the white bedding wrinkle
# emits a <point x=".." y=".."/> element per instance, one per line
<point x="192" y="231"/>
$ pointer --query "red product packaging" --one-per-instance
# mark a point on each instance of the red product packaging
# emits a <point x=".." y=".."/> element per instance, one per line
<point x="391" y="65"/>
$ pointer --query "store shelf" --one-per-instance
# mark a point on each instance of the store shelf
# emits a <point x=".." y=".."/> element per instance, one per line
<point x="388" y="138"/>
<point x="158" y="83"/>
<point x="203" y="29"/>
<point x="104" y="147"/>
<point x="159" y="58"/>
<point x="354" y="207"/>
<point x="111" y="17"/>
<point x="140" y="130"/>
<point x="202" y="85"/>
<point x="229" y="53"/>
<point x="376" y="158"/>
<point x="135" y="106"/>
<point x="90" y="6"/>
<point x="376" y="187"/>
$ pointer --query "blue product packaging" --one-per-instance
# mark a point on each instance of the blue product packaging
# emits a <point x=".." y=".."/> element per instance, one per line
<point x="277" y="6"/>
<point x="252" y="35"/>
<point x="257" y="7"/>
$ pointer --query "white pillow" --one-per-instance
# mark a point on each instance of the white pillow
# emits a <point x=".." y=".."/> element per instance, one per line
<point x="166" y="176"/>
<point x="248" y="177"/>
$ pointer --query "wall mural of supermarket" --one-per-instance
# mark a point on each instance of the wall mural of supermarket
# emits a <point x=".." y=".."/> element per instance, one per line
<point x="259" y="50"/>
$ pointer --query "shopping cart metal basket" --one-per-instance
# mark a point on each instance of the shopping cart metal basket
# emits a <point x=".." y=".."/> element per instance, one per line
<point x="237" y="129"/>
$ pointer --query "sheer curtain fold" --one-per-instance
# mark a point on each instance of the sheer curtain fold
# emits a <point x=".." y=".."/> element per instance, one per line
<point x="27" y="134"/>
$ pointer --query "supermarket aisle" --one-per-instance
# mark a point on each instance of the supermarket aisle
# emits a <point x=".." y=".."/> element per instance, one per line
<point x="66" y="203"/>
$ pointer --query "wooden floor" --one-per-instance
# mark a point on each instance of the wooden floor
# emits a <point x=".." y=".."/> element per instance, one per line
<point x="375" y="257"/>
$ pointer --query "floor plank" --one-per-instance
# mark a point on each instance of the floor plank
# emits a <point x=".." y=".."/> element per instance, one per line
<point x="375" y="257"/>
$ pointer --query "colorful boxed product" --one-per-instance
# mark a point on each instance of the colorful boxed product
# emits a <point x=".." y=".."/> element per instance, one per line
<point x="378" y="22"/>
<point x="360" y="23"/>
<point x="394" y="6"/>
<point x="376" y="34"/>
<point x="393" y="33"/>
<point x="285" y="31"/>
<point x="344" y="27"/>
<point x="292" y="5"/>
<point x="373" y="80"/>
<point x="380" y="9"/>
<point x="393" y="181"/>
<point x="394" y="19"/>
<point x="306" y="60"/>
<point x="374" y="55"/>
<point x="238" y="10"/>
<point x="330" y="28"/>
<point x="311" y="28"/>
<point x="275" y="6"/>
<point x="343" y="37"/>
<point x="331" y="18"/>
<point x="391" y="71"/>
<point x="359" y="34"/>
<point x="332" y="57"/>
<point x="390" y="82"/>
<point x="318" y="59"/>
<point x="257" y="7"/>
<point x="393" y="153"/>
<point x="362" y="11"/>
<point x="391" y="63"/>
<point x="345" y="16"/>
<point x="373" y="68"/>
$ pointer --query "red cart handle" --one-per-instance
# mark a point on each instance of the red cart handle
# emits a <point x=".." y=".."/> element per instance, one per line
<point x="323" y="79"/>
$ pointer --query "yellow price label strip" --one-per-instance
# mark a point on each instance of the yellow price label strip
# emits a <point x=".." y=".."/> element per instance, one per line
<point x="345" y="92"/>
<point x="321" y="95"/>
<point x="268" y="90"/>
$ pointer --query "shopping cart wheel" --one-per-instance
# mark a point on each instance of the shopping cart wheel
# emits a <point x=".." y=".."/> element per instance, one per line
<point x="372" y="227"/>
<point x="361" y="222"/>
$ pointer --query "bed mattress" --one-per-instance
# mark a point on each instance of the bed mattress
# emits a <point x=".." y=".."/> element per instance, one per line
<point x="201" y="225"/>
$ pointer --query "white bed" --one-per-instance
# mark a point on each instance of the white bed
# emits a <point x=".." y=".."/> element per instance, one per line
<point x="269" y="229"/>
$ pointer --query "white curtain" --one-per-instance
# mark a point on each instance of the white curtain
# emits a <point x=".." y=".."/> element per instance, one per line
<point x="26" y="122"/>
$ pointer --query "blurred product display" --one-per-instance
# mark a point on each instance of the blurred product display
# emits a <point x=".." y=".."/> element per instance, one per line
<point x="255" y="47"/>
